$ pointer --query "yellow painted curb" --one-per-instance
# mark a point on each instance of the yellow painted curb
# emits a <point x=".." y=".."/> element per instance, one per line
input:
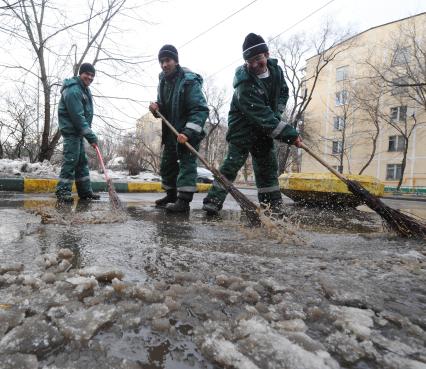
<point x="328" y="183"/>
<point x="156" y="187"/>
<point x="144" y="187"/>
<point x="37" y="185"/>
<point x="34" y="204"/>
<point x="41" y="185"/>
<point x="203" y="187"/>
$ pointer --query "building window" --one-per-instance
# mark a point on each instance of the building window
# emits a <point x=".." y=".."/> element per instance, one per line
<point x="341" y="97"/>
<point x="338" y="123"/>
<point x="342" y="73"/>
<point x="393" y="171"/>
<point x="401" y="56"/>
<point x="396" y="88"/>
<point x="396" y="143"/>
<point x="398" y="113"/>
<point x="337" y="147"/>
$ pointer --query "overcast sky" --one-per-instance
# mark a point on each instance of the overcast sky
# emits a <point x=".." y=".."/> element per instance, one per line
<point x="218" y="52"/>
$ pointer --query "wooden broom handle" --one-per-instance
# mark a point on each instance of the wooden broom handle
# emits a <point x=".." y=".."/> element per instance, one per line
<point x="332" y="170"/>
<point x="101" y="161"/>
<point x="187" y="144"/>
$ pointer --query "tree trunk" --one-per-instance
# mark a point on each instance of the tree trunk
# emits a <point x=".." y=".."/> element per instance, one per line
<point x="373" y="152"/>
<point x="52" y="145"/>
<point x="342" y="153"/>
<point x="403" y="163"/>
<point x="44" y="149"/>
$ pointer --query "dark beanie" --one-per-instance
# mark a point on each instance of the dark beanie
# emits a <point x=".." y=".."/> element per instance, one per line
<point x="254" y="45"/>
<point x="86" y="68"/>
<point x="168" y="51"/>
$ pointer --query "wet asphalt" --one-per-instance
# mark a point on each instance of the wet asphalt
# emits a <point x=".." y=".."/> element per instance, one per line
<point x="321" y="258"/>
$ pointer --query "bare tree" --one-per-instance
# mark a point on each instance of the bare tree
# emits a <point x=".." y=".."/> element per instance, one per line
<point x="326" y="45"/>
<point x="405" y="128"/>
<point x="367" y="95"/>
<point x="38" y="25"/>
<point x="216" y="101"/>
<point x="405" y="66"/>
<point x="139" y="154"/>
<point x="403" y="73"/>
<point x="18" y="128"/>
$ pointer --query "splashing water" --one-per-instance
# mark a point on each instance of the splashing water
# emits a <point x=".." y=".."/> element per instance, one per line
<point x="86" y="214"/>
<point x="283" y="228"/>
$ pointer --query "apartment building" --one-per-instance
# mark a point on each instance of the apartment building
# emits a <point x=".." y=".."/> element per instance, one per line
<point x="367" y="110"/>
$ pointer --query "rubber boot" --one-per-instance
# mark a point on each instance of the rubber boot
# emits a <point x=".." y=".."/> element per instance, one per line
<point x="65" y="199"/>
<point x="182" y="203"/>
<point x="274" y="208"/>
<point x="90" y="196"/>
<point x="211" y="206"/>
<point x="169" y="198"/>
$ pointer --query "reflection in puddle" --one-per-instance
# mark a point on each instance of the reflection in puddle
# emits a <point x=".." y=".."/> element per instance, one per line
<point x="152" y="350"/>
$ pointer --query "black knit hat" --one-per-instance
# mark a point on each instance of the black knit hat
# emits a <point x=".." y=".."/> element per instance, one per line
<point x="170" y="52"/>
<point x="86" y="68"/>
<point x="254" y="45"/>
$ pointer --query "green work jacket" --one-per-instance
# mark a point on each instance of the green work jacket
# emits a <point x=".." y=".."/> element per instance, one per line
<point x="186" y="108"/>
<point x="256" y="111"/>
<point x="75" y="110"/>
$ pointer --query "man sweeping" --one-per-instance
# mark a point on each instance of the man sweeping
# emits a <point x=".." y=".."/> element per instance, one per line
<point x="254" y="121"/>
<point x="75" y="114"/>
<point x="181" y="101"/>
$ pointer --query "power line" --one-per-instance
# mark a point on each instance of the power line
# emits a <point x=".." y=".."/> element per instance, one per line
<point x="302" y="20"/>
<point x="279" y="34"/>
<point x="215" y="25"/>
<point x="154" y="58"/>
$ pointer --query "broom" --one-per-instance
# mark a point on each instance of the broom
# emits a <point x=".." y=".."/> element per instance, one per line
<point x="115" y="201"/>
<point x="395" y="220"/>
<point x="248" y="207"/>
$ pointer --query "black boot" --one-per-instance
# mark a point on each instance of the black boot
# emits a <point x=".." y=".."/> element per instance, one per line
<point x="182" y="203"/>
<point x="90" y="196"/>
<point x="64" y="198"/>
<point x="211" y="205"/>
<point x="274" y="208"/>
<point x="272" y="203"/>
<point x="169" y="198"/>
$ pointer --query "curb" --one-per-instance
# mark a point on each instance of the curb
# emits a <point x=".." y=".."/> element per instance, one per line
<point x="37" y="185"/>
<point x="407" y="198"/>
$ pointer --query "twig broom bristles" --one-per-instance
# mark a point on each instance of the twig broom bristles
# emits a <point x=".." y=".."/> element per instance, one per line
<point x="248" y="207"/>
<point x="401" y="223"/>
<point x="115" y="200"/>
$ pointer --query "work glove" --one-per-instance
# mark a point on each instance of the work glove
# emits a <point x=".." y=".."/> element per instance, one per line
<point x="288" y="135"/>
<point x="91" y="137"/>
<point x="298" y="142"/>
<point x="194" y="138"/>
<point x="153" y="108"/>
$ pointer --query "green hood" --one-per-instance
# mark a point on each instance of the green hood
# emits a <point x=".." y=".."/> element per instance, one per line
<point x="70" y="82"/>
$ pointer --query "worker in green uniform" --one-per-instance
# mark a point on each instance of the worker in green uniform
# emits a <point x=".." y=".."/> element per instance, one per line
<point x="181" y="101"/>
<point x="254" y="121"/>
<point x="75" y="114"/>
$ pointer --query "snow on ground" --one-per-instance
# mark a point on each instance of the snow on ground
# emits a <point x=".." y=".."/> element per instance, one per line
<point x="22" y="168"/>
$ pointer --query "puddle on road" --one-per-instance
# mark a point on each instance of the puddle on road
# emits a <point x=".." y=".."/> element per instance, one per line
<point x="153" y="350"/>
<point x="218" y="270"/>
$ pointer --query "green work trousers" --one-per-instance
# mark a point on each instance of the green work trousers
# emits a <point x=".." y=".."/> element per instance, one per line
<point x="178" y="167"/>
<point x="265" y="169"/>
<point x="74" y="168"/>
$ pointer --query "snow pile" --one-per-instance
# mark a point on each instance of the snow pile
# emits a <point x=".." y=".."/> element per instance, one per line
<point x="19" y="167"/>
<point x="123" y="176"/>
<point x="22" y="168"/>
